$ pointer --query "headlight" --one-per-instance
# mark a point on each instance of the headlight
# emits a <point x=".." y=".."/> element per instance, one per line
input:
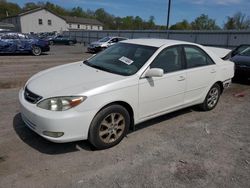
<point x="61" y="103"/>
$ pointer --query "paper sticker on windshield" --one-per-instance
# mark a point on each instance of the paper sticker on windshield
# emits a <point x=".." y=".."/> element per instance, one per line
<point x="126" y="60"/>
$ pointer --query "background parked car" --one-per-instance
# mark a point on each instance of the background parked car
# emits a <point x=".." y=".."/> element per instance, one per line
<point x="60" y="39"/>
<point x="22" y="43"/>
<point x="104" y="43"/>
<point x="241" y="57"/>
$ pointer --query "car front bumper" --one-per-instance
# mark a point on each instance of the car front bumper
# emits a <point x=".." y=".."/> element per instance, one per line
<point x="73" y="124"/>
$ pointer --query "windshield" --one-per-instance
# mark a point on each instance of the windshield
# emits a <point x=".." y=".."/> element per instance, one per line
<point x="105" y="39"/>
<point x="122" y="58"/>
<point x="245" y="52"/>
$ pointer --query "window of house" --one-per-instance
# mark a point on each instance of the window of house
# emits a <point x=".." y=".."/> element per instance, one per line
<point x="40" y="21"/>
<point x="70" y="25"/>
<point x="49" y="22"/>
<point x="78" y="26"/>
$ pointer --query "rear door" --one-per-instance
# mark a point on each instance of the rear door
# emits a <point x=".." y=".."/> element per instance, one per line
<point x="159" y="94"/>
<point x="201" y="73"/>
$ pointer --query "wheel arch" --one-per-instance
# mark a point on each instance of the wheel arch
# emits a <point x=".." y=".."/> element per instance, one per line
<point x="220" y="83"/>
<point x="126" y="106"/>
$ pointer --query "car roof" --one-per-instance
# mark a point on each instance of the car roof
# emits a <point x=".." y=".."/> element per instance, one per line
<point x="155" y="42"/>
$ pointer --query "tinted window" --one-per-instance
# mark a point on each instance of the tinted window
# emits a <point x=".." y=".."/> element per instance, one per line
<point x="114" y="40"/>
<point x="195" y="57"/>
<point x="121" y="39"/>
<point x="169" y="60"/>
<point x="239" y="49"/>
<point x="245" y="52"/>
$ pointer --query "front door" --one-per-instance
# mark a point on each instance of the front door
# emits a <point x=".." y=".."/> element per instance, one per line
<point x="160" y="94"/>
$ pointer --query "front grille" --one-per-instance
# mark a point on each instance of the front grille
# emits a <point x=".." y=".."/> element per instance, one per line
<point x="31" y="97"/>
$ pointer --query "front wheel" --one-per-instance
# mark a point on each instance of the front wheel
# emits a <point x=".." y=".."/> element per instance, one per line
<point x="212" y="98"/>
<point x="36" y="50"/>
<point x="109" y="127"/>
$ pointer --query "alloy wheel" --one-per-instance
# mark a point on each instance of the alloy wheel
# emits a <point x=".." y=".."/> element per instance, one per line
<point x="213" y="97"/>
<point x="112" y="127"/>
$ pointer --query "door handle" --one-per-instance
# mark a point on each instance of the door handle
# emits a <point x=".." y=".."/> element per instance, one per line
<point x="181" y="78"/>
<point x="213" y="71"/>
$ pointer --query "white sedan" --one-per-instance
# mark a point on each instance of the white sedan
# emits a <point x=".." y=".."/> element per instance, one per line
<point x="101" y="98"/>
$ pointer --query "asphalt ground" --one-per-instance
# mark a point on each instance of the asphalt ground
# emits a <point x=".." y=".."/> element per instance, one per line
<point x="187" y="148"/>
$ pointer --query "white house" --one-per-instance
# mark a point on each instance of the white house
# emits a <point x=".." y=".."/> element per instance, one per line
<point x="76" y="23"/>
<point x="42" y="20"/>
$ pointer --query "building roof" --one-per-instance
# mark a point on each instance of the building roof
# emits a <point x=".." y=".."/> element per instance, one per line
<point x="155" y="42"/>
<point x="68" y="19"/>
<point x="71" y="19"/>
<point x="32" y="11"/>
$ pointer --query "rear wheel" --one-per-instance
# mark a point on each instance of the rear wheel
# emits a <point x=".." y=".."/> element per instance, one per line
<point x="109" y="127"/>
<point x="212" y="98"/>
<point x="36" y="50"/>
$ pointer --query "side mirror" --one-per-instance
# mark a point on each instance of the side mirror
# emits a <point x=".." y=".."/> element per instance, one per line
<point x="154" y="72"/>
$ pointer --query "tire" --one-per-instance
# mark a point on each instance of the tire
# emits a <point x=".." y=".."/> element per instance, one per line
<point x="109" y="127"/>
<point x="70" y="43"/>
<point x="211" y="99"/>
<point x="36" y="50"/>
<point x="51" y="43"/>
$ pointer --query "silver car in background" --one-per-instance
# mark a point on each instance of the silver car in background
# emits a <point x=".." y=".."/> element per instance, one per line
<point x="104" y="43"/>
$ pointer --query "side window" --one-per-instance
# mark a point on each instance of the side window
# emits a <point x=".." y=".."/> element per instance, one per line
<point x="169" y="60"/>
<point x="195" y="57"/>
<point x="114" y="40"/>
<point x="121" y="39"/>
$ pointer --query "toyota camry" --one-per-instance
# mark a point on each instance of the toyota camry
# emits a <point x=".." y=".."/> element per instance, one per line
<point x="101" y="98"/>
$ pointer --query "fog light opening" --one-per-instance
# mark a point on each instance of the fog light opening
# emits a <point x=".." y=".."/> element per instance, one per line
<point x="53" y="134"/>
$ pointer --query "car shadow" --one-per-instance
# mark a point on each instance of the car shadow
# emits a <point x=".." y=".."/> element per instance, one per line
<point x="42" y="145"/>
<point x="162" y="118"/>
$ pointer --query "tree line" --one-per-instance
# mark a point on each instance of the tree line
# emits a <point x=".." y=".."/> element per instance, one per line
<point x="238" y="21"/>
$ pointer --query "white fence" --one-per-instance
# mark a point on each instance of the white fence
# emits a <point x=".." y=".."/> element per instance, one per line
<point x="211" y="38"/>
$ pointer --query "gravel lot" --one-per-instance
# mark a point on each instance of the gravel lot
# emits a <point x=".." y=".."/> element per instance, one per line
<point x="187" y="148"/>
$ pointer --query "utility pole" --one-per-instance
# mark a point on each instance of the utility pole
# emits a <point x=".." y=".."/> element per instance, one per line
<point x="169" y="7"/>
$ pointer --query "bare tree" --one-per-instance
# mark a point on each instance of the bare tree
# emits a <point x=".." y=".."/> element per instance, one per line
<point x="238" y="21"/>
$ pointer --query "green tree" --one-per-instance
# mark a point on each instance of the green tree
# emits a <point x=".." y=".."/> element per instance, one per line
<point x="203" y="22"/>
<point x="8" y="9"/>
<point x="29" y="6"/>
<point x="183" y="25"/>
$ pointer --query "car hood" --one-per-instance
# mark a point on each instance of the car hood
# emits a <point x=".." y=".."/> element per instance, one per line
<point x="97" y="43"/>
<point x="70" y="79"/>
